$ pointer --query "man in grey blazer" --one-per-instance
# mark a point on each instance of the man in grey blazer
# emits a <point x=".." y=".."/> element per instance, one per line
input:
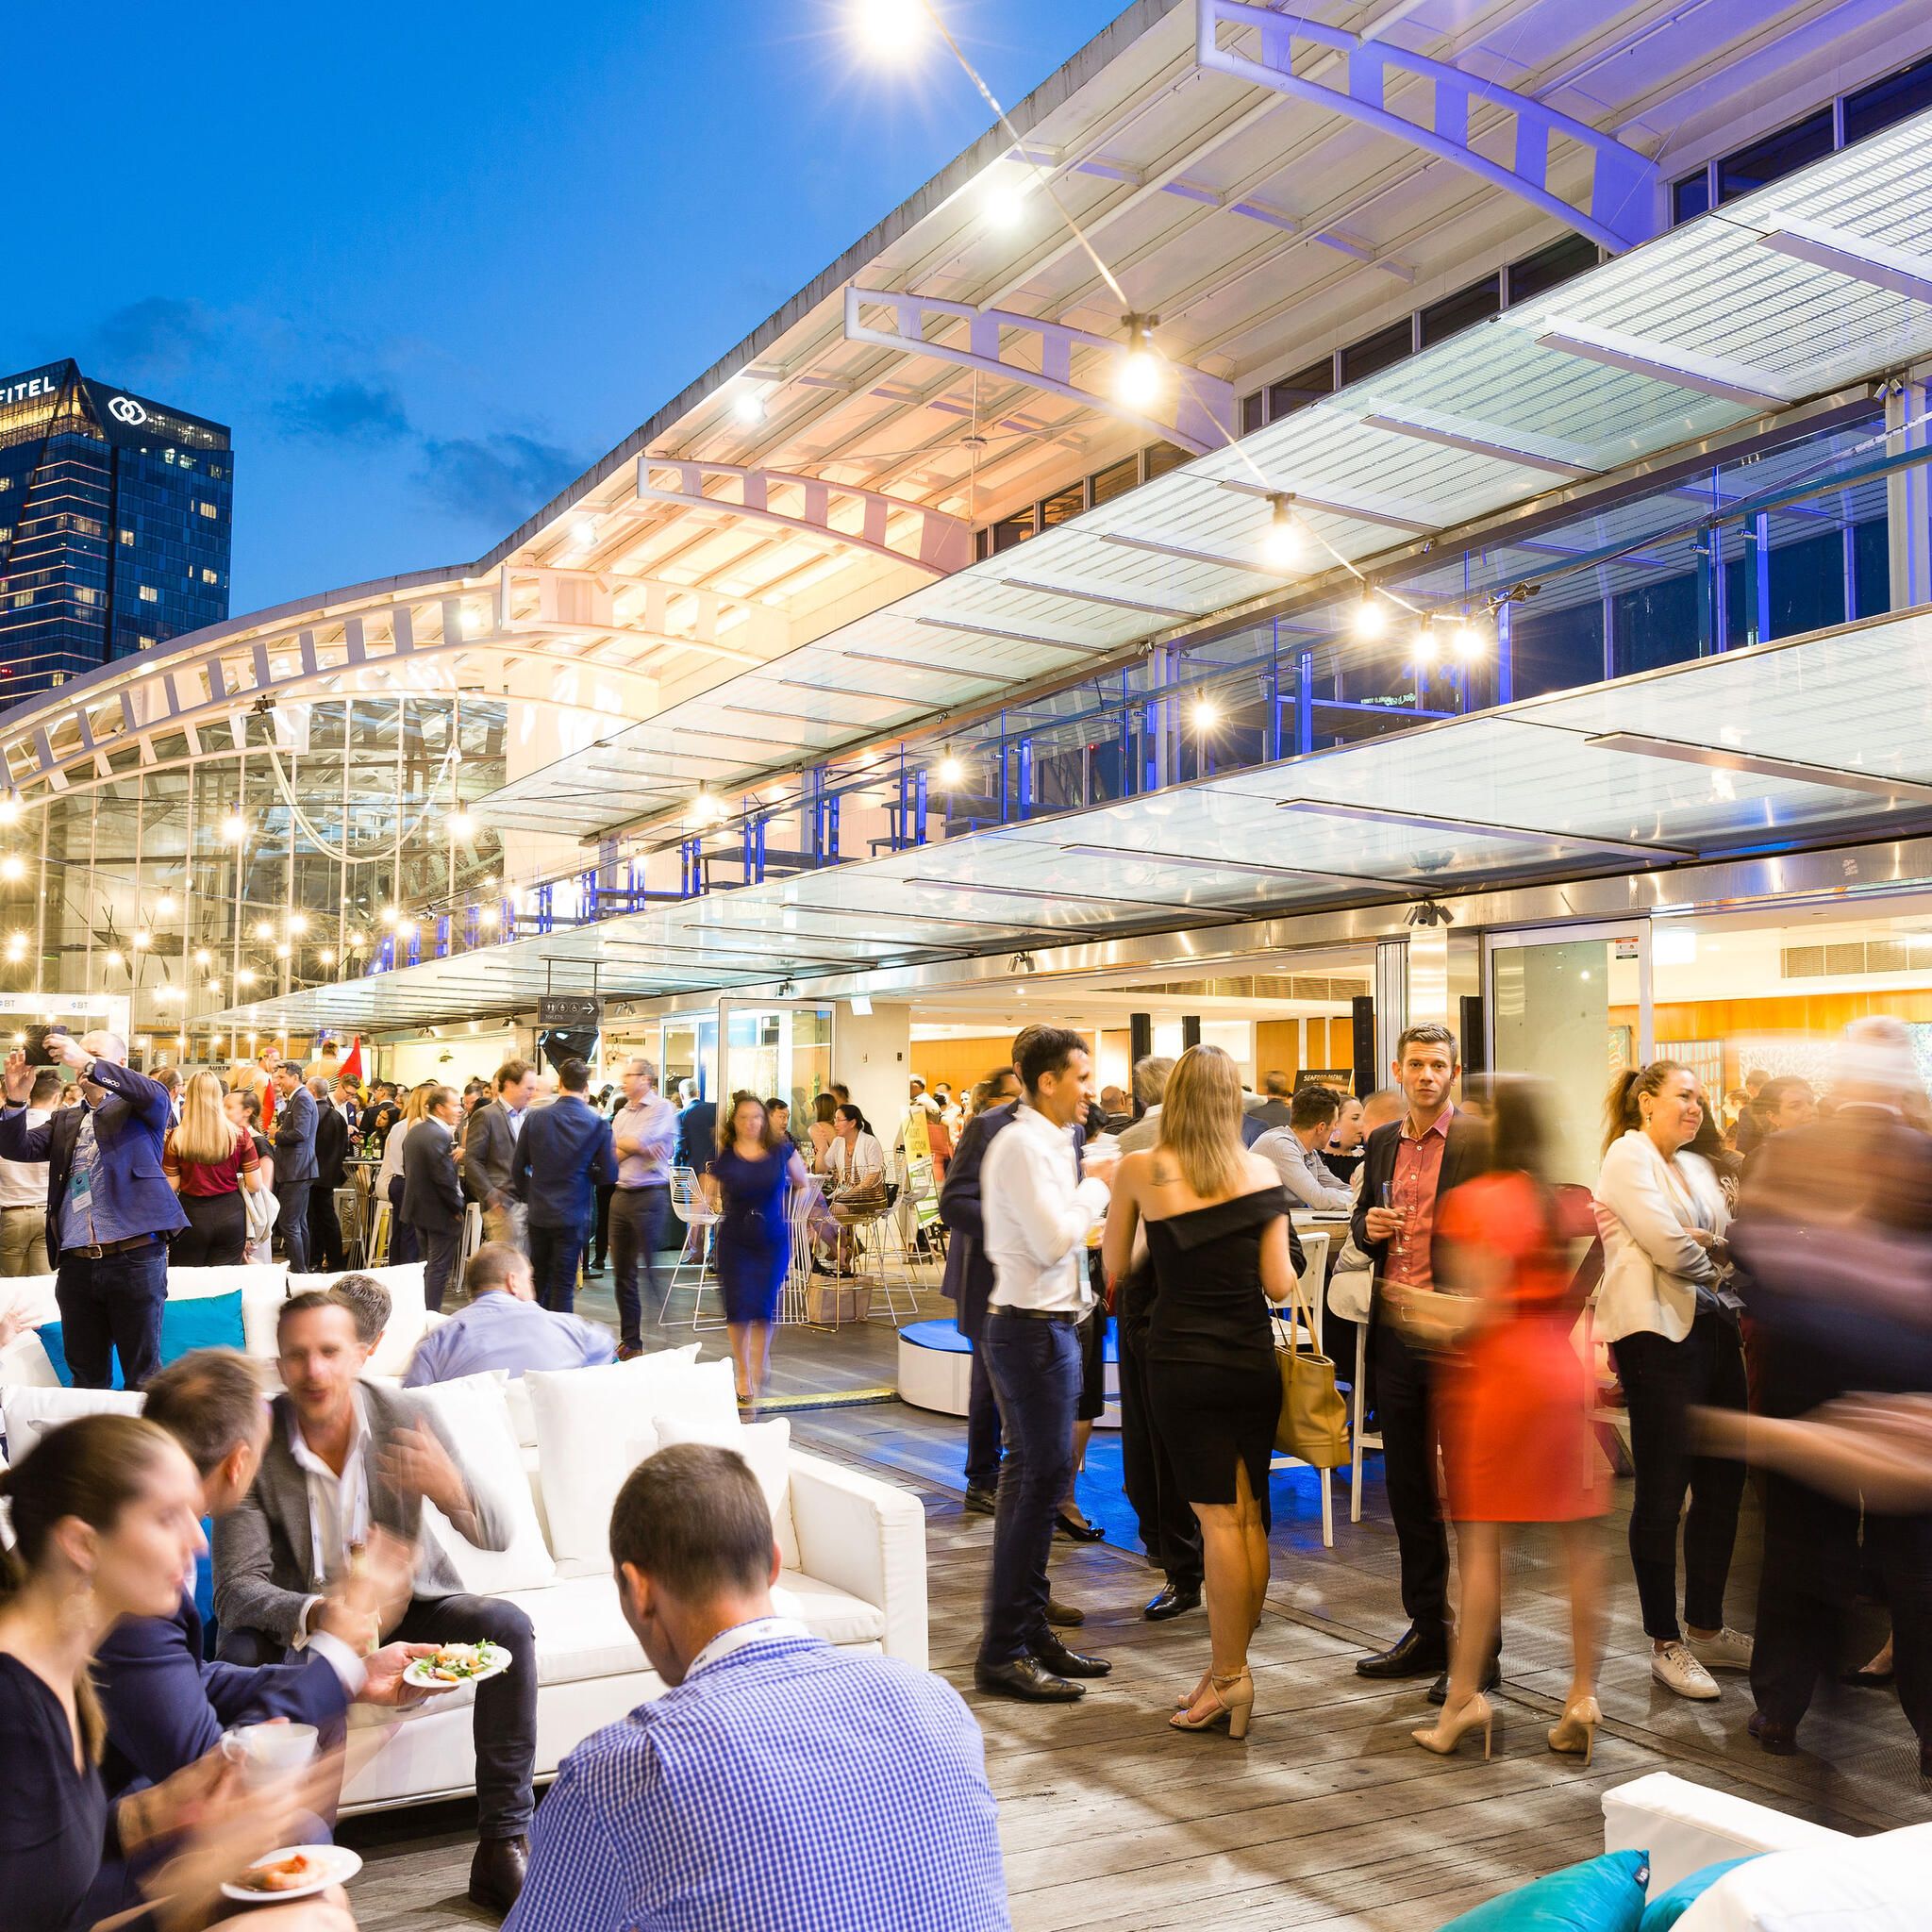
<point x="490" y="1146"/>
<point x="296" y="1167"/>
<point x="348" y="1459"/>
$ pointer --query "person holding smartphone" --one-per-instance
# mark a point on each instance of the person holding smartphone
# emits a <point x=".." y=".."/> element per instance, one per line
<point x="110" y="1207"/>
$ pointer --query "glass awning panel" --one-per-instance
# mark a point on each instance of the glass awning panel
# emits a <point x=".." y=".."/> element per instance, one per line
<point x="1800" y="741"/>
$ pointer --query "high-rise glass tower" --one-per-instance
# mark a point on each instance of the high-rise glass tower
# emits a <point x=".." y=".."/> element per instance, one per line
<point x="115" y="517"/>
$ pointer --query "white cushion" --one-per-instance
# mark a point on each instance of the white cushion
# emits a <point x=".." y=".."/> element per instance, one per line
<point x="409" y="1313"/>
<point x="33" y="1296"/>
<point x="262" y="1310"/>
<point x="522" y="1415"/>
<point x="595" y="1425"/>
<point x="766" y="1446"/>
<point x="1684" y="1826"/>
<point x="475" y="1417"/>
<point x="198" y="1284"/>
<point x="23" y="1363"/>
<point x="1877" y="1884"/>
<point x="581" y="1632"/>
<point x="31" y="1412"/>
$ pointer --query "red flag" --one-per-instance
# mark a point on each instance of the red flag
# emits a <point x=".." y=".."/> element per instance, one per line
<point x="352" y="1068"/>
<point x="268" y="1106"/>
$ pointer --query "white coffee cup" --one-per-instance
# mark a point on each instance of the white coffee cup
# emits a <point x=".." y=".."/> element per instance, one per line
<point x="266" y="1752"/>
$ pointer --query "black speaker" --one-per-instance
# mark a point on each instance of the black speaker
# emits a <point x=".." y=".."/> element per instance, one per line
<point x="1368" y="1076"/>
<point x="556" y="1044"/>
<point x="1476" y="1046"/>
<point x="1140" y="1038"/>
<point x="1190" y="1030"/>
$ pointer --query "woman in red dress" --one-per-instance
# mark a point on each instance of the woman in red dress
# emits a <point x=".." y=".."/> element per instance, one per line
<point x="1514" y="1405"/>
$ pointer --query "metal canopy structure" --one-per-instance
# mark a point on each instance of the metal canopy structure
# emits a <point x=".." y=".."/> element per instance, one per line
<point x="1801" y="743"/>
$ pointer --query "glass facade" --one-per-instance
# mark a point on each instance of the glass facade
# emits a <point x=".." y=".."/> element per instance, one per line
<point x="116" y="513"/>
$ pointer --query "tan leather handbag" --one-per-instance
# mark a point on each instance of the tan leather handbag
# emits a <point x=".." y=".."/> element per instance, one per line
<point x="1313" y="1426"/>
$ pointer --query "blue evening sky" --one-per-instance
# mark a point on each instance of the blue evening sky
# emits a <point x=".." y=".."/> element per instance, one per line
<point x="429" y="261"/>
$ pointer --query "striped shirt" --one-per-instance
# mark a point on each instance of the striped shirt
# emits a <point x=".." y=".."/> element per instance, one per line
<point x="783" y="1786"/>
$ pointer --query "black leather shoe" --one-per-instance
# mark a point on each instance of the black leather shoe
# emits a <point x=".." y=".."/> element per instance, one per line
<point x="1781" y="1740"/>
<point x="1172" y="1600"/>
<point x="1065" y="1615"/>
<point x="496" y="1872"/>
<point x="1055" y="1655"/>
<point x="980" y="1502"/>
<point x="1493" y="1676"/>
<point x="1412" y="1655"/>
<point x="1028" y="1680"/>
<point x="1080" y="1532"/>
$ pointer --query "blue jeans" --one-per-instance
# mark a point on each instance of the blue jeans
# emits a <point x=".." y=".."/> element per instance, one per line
<point x="1035" y="1367"/>
<point x="109" y="1305"/>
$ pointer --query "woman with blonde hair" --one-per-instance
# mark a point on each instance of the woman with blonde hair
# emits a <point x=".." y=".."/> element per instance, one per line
<point x="209" y="1163"/>
<point x="404" y="1243"/>
<point x="1216" y="1223"/>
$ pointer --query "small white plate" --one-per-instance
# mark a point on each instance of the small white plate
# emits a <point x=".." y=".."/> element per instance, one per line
<point x="419" y="1673"/>
<point x="332" y="1864"/>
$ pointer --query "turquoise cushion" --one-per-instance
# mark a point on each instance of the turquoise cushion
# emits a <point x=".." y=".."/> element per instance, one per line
<point x="206" y="1322"/>
<point x="1601" y="1895"/>
<point x="1668" y="1907"/>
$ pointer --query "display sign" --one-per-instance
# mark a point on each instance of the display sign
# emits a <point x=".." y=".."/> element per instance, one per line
<point x="569" y="1009"/>
<point x="37" y="382"/>
<point x="81" y="1012"/>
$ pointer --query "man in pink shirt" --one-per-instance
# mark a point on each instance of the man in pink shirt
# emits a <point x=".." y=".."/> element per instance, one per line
<point x="1408" y="1165"/>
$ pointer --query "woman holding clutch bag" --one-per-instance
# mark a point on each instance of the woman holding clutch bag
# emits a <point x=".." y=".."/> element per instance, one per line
<point x="1217" y="1229"/>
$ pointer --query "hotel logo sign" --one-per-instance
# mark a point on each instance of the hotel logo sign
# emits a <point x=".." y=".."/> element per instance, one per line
<point x="25" y="389"/>
<point x="126" y="409"/>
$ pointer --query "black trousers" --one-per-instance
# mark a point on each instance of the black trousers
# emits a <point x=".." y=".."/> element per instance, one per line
<point x="554" y="1253"/>
<point x="292" y="1223"/>
<point x="504" y="1720"/>
<point x="600" y="1237"/>
<point x="1405" y="1398"/>
<point x="440" y="1247"/>
<point x="216" y="1234"/>
<point x="637" y="1218"/>
<point x="1170" y="1530"/>
<point x="325" y="1230"/>
<point x="1662" y="1380"/>
<point x="112" y="1305"/>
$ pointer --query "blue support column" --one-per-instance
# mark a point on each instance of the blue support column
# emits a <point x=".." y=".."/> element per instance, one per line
<point x="919" y="798"/>
<point x="443" y="936"/>
<point x="1505" y="667"/>
<point x="1305" y="703"/>
<point x="1025" y="776"/>
<point x="545" y="918"/>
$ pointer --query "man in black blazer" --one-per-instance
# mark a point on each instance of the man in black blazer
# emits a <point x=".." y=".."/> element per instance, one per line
<point x="968" y="1280"/>
<point x="564" y="1154"/>
<point x="294" y="1138"/>
<point x="108" y="1204"/>
<point x="1408" y="1166"/>
<point x="432" y="1194"/>
<point x="165" y="1704"/>
<point x="331" y="1151"/>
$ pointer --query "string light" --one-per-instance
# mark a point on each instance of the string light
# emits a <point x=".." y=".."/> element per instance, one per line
<point x="283" y="950"/>
<point x="265" y="929"/>
<point x="327" y="956"/>
<point x="951" y="774"/>
<point x="390" y="915"/>
<point x="1281" y="542"/>
<point x="1143" y="371"/>
<point x="214" y="985"/>
<point x="204" y="958"/>
<point x="9" y="808"/>
<point x="113" y="956"/>
<point x="245" y="977"/>
<point x="707" y="808"/>
<point x="139" y="941"/>
<point x="406" y="929"/>
<point x="12" y="868"/>
<point x="1370" y="617"/>
<point x="486" y="918"/>
<point x="298" y="923"/>
<point x="16" y="948"/>
<point x="1466" y="640"/>
<point x="461" y="826"/>
<point x="1206" y="714"/>
<point x="165" y="906"/>
<point x="234" y="828"/>
<point x="1427" y="645"/>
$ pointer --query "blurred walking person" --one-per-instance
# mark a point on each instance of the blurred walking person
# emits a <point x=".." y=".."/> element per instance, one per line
<point x="1514" y="1398"/>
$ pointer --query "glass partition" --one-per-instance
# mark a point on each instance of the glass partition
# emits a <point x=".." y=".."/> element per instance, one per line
<point x="779" y="1050"/>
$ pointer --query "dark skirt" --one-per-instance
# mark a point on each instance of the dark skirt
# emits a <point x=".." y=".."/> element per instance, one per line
<point x="751" y="1272"/>
<point x="1211" y="1418"/>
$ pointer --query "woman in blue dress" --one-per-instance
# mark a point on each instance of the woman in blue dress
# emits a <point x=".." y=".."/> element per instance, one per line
<point x="747" y="1185"/>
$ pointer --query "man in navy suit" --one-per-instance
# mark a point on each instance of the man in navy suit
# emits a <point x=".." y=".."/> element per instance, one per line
<point x="165" y="1706"/>
<point x="296" y="1167"/>
<point x="108" y="1204"/>
<point x="564" y="1154"/>
<point x="968" y="1280"/>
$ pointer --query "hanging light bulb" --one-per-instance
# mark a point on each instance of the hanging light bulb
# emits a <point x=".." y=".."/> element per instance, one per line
<point x="203" y="957"/>
<point x="283" y="950"/>
<point x="486" y="918"/>
<point x="234" y="828"/>
<point x="245" y="977"/>
<point x="1206" y="714"/>
<point x="1142" y="369"/>
<point x="1467" y="639"/>
<point x="951" y="773"/>
<point x="890" y="28"/>
<point x="113" y="956"/>
<point x="214" y="985"/>
<point x="1427" y="645"/>
<point x="139" y="941"/>
<point x="327" y="956"/>
<point x="165" y="906"/>
<point x="9" y="808"/>
<point x="707" y="808"/>
<point x="1371" y="617"/>
<point x="461" y="826"/>
<point x="1281" y="542"/>
<point x="16" y="948"/>
<point x="264" y="930"/>
<point x="12" y="868"/>
<point x="390" y="915"/>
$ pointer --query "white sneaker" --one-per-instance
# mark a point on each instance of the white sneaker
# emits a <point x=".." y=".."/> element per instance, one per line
<point x="1676" y="1669"/>
<point x="1729" y="1650"/>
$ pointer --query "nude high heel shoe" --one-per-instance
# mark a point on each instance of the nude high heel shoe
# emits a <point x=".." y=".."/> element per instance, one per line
<point x="1448" y="1732"/>
<point x="1234" y="1700"/>
<point x="1576" y="1731"/>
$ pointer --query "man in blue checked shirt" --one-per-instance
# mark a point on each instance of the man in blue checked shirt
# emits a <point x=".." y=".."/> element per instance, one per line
<point x="779" y="1785"/>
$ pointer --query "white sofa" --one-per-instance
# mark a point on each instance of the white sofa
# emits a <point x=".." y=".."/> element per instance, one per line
<point x="560" y="1447"/>
<point x="1816" y="1879"/>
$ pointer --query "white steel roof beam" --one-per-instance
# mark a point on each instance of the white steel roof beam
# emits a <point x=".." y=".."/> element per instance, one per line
<point x="1863" y="260"/>
<point x="1711" y="375"/>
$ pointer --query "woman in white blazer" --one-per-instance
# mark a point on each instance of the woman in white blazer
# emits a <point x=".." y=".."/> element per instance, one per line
<point x="1674" y="1334"/>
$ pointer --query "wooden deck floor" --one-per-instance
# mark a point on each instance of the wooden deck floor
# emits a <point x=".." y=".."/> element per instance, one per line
<point x="1327" y="1816"/>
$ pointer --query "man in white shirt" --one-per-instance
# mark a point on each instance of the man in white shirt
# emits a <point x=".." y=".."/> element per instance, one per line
<point x="24" y="1190"/>
<point x="1037" y="1211"/>
<point x="1290" y="1151"/>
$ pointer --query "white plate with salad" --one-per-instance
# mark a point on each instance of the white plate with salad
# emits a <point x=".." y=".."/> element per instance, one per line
<point x="456" y="1664"/>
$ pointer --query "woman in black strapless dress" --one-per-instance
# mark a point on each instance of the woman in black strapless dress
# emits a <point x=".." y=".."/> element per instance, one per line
<point x="1216" y="1221"/>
